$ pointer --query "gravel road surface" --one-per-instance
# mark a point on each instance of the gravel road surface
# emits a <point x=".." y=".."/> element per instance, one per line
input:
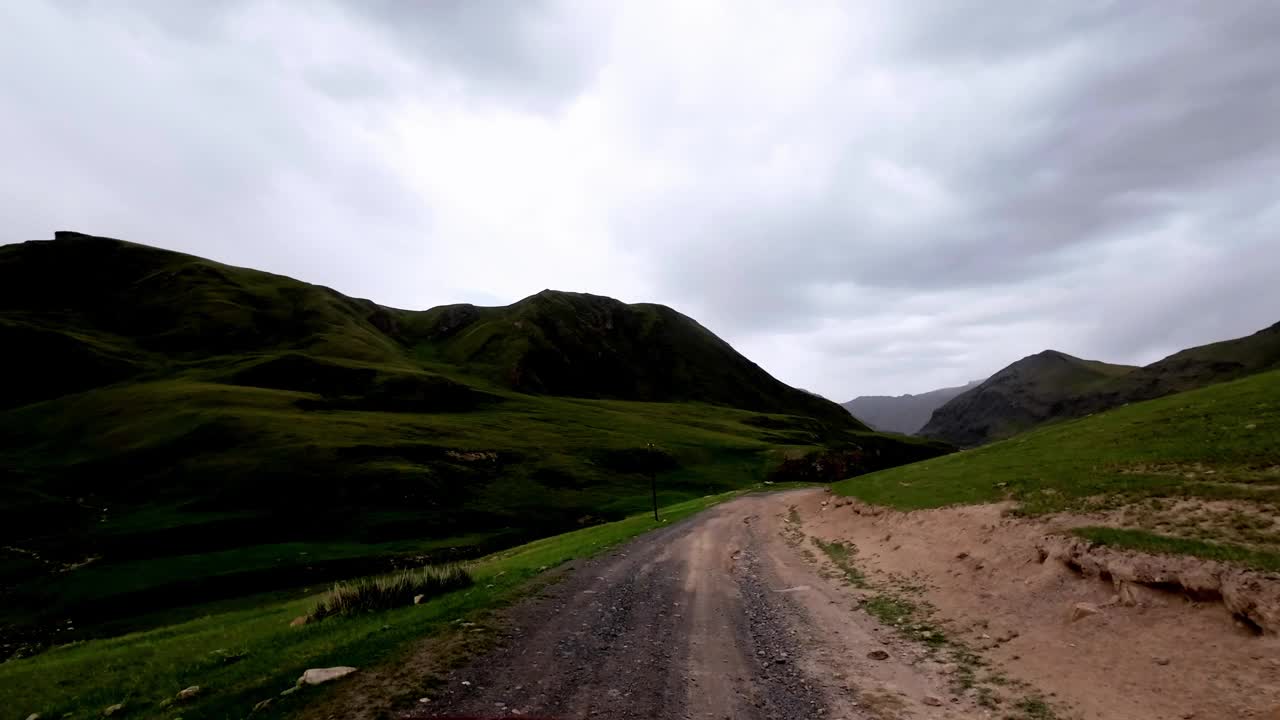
<point x="718" y="616"/>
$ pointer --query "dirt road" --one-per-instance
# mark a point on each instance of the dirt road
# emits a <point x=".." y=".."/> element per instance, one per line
<point x="726" y="615"/>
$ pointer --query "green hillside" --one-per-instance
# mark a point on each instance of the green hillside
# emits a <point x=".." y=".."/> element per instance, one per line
<point x="1220" y="442"/>
<point x="1052" y="386"/>
<point x="174" y="431"/>
<point x="1028" y="392"/>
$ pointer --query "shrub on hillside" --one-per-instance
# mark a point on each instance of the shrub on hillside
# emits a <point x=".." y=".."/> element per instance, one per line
<point x="385" y="592"/>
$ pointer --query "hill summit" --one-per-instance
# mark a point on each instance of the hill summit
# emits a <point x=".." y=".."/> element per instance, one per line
<point x="1052" y="385"/>
<point x="1028" y="392"/>
<point x="91" y="311"/>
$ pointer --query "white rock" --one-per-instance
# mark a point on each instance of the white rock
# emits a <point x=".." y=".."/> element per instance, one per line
<point x="188" y="693"/>
<point x="316" y="676"/>
<point x="1084" y="609"/>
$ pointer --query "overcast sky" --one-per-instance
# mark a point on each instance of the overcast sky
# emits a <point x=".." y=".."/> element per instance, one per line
<point x="863" y="197"/>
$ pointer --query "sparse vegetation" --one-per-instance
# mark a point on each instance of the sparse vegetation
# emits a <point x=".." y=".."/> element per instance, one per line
<point x="1153" y="543"/>
<point x="842" y="555"/>
<point x="385" y="592"/>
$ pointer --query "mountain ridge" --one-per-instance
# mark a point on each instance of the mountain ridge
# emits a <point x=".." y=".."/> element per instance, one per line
<point x="906" y="413"/>
<point x="1034" y="390"/>
<point x="1019" y="396"/>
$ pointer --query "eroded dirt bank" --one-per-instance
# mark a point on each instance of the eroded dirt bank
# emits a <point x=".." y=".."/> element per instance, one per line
<point x="1070" y="620"/>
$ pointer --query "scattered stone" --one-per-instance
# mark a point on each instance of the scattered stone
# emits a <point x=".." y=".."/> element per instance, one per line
<point x="962" y="555"/>
<point x="112" y="709"/>
<point x="227" y="657"/>
<point x="878" y="655"/>
<point x="299" y="621"/>
<point x="1162" y="661"/>
<point x="188" y="693"/>
<point x="417" y="599"/>
<point x="316" y="676"/>
<point x="932" y="700"/>
<point x="263" y="705"/>
<point x="1083" y="610"/>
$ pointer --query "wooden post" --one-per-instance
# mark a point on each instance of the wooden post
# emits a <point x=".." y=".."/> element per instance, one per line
<point x="653" y="483"/>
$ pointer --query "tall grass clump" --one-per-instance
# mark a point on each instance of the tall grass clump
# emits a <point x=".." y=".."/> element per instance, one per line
<point x="384" y="592"/>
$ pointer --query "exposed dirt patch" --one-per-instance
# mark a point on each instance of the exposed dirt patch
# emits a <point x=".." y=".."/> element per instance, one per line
<point x="998" y="587"/>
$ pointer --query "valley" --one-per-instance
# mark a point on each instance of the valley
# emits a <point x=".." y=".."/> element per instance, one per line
<point x="195" y="456"/>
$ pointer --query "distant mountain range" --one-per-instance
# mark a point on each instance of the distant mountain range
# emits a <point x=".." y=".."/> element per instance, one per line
<point x="904" y="414"/>
<point x="1052" y="385"/>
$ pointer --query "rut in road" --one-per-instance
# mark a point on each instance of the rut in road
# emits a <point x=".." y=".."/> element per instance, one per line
<point x="714" y="617"/>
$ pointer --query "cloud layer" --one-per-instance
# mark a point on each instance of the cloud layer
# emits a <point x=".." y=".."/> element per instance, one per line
<point x="865" y="198"/>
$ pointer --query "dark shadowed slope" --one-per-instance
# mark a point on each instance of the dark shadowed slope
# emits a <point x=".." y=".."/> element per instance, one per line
<point x="904" y="414"/>
<point x="190" y="423"/>
<point x="1019" y="397"/>
<point x="102" y="310"/>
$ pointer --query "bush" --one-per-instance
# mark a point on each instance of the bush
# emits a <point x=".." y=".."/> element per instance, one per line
<point x="385" y="592"/>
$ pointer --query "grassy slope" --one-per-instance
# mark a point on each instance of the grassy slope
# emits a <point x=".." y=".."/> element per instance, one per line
<point x="189" y="426"/>
<point x="1221" y="442"/>
<point x="248" y="504"/>
<point x="145" y="668"/>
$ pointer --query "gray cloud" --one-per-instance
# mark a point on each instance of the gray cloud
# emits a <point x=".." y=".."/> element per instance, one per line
<point x="874" y="198"/>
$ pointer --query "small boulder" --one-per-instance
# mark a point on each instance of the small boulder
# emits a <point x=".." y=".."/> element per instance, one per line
<point x="188" y="693"/>
<point x="932" y="700"/>
<point x="1161" y="660"/>
<point x="417" y="599"/>
<point x="1083" y="610"/>
<point x="878" y="655"/>
<point x="317" y="676"/>
<point x="113" y="710"/>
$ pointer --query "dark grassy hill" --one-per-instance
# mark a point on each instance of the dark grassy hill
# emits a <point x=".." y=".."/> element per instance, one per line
<point x="1053" y="386"/>
<point x="175" y="430"/>
<point x="590" y="346"/>
<point x="1019" y="397"/>
<point x="904" y="414"/>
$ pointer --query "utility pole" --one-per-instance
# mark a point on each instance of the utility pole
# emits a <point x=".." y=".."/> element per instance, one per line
<point x="653" y="482"/>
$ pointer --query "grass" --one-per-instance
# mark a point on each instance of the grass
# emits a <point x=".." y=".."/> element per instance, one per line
<point x="842" y="555"/>
<point x="1164" y="544"/>
<point x="185" y="432"/>
<point x="1147" y="449"/>
<point x="244" y="656"/>
<point x="387" y="592"/>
